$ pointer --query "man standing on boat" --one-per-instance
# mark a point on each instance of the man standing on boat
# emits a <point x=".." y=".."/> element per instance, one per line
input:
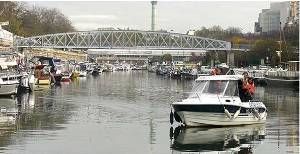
<point x="248" y="88"/>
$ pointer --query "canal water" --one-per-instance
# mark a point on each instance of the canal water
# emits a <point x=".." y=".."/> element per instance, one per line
<point x="128" y="112"/>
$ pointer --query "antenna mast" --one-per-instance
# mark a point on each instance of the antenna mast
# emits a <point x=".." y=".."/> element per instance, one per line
<point x="153" y="3"/>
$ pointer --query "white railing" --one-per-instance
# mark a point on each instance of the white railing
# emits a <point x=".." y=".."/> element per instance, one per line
<point x="251" y="73"/>
<point x="294" y="74"/>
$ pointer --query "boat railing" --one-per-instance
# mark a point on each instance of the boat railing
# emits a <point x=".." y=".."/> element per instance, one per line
<point x="252" y="73"/>
<point x="7" y="74"/>
<point x="198" y="94"/>
<point x="294" y="74"/>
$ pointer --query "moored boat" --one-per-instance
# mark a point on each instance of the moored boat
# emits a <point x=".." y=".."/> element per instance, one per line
<point x="288" y="77"/>
<point x="215" y="100"/>
<point x="8" y="84"/>
<point x="44" y="72"/>
<point x="9" y="76"/>
<point x="81" y="69"/>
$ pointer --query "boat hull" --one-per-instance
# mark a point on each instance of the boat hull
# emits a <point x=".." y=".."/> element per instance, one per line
<point x="273" y="82"/>
<point x="58" y="78"/>
<point x="74" y="75"/>
<point x="42" y="82"/>
<point x="200" y="115"/>
<point x="82" y="74"/>
<point x="217" y="119"/>
<point x="7" y="120"/>
<point x="8" y="89"/>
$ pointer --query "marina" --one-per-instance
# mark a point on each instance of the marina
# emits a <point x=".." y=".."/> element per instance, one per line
<point x="96" y="77"/>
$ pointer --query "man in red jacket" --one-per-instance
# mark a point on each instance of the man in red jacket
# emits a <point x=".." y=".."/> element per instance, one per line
<point x="249" y="88"/>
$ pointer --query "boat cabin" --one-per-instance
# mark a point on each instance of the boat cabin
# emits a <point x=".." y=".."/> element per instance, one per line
<point x="221" y="85"/>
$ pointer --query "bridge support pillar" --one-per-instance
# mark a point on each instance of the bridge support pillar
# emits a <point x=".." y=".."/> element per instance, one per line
<point x="230" y="58"/>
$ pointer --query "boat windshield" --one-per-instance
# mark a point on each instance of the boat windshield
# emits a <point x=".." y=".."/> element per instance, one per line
<point x="215" y="87"/>
<point x="232" y="89"/>
<point x="197" y="88"/>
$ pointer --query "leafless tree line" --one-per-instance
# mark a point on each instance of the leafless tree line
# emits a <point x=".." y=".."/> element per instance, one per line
<point x="27" y="20"/>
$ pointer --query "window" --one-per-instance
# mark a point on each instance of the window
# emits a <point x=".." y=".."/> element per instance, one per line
<point x="198" y="86"/>
<point x="215" y="87"/>
<point x="232" y="89"/>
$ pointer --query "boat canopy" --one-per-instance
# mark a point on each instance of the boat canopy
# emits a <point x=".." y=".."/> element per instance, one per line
<point x="43" y="60"/>
<point x="218" y="87"/>
<point x="219" y="77"/>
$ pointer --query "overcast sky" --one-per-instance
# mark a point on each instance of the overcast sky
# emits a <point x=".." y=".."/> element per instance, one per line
<point x="178" y="16"/>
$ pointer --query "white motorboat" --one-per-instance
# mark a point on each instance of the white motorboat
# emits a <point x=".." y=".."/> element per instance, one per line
<point x="8" y="84"/>
<point x="82" y="69"/>
<point x="288" y="77"/>
<point x="9" y="77"/>
<point x="215" y="100"/>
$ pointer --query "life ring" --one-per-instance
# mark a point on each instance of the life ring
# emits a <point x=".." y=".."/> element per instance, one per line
<point x="177" y="117"/>
<point x="171" y="117"/>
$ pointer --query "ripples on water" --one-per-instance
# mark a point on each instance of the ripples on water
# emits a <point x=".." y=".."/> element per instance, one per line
<point x="128" y="112"/>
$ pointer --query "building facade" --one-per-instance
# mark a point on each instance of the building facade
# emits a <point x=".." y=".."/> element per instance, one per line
<point x="276" y="18"/>
<point x="294" y="14"/>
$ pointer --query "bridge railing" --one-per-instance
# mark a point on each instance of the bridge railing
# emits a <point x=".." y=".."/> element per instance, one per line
<point x="122" y="39"/>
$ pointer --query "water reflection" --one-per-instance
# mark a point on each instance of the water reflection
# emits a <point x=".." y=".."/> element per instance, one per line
<point x="6" y="133"/>
<point x="283" y="119"/>
<point x="8" y="111"/>
<point x="242" y="138"/>
<point x="43" y="109"/>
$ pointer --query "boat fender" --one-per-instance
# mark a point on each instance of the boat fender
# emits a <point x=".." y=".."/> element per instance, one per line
<point x="177" y="117"/>
<point x="227" y="113"/>
<point x="256" y="114"/>
<point x="176" y="132"/>
<point x="171" y="133"/>
<point x="171" y="117"/>
<point x="236" y="114"/>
